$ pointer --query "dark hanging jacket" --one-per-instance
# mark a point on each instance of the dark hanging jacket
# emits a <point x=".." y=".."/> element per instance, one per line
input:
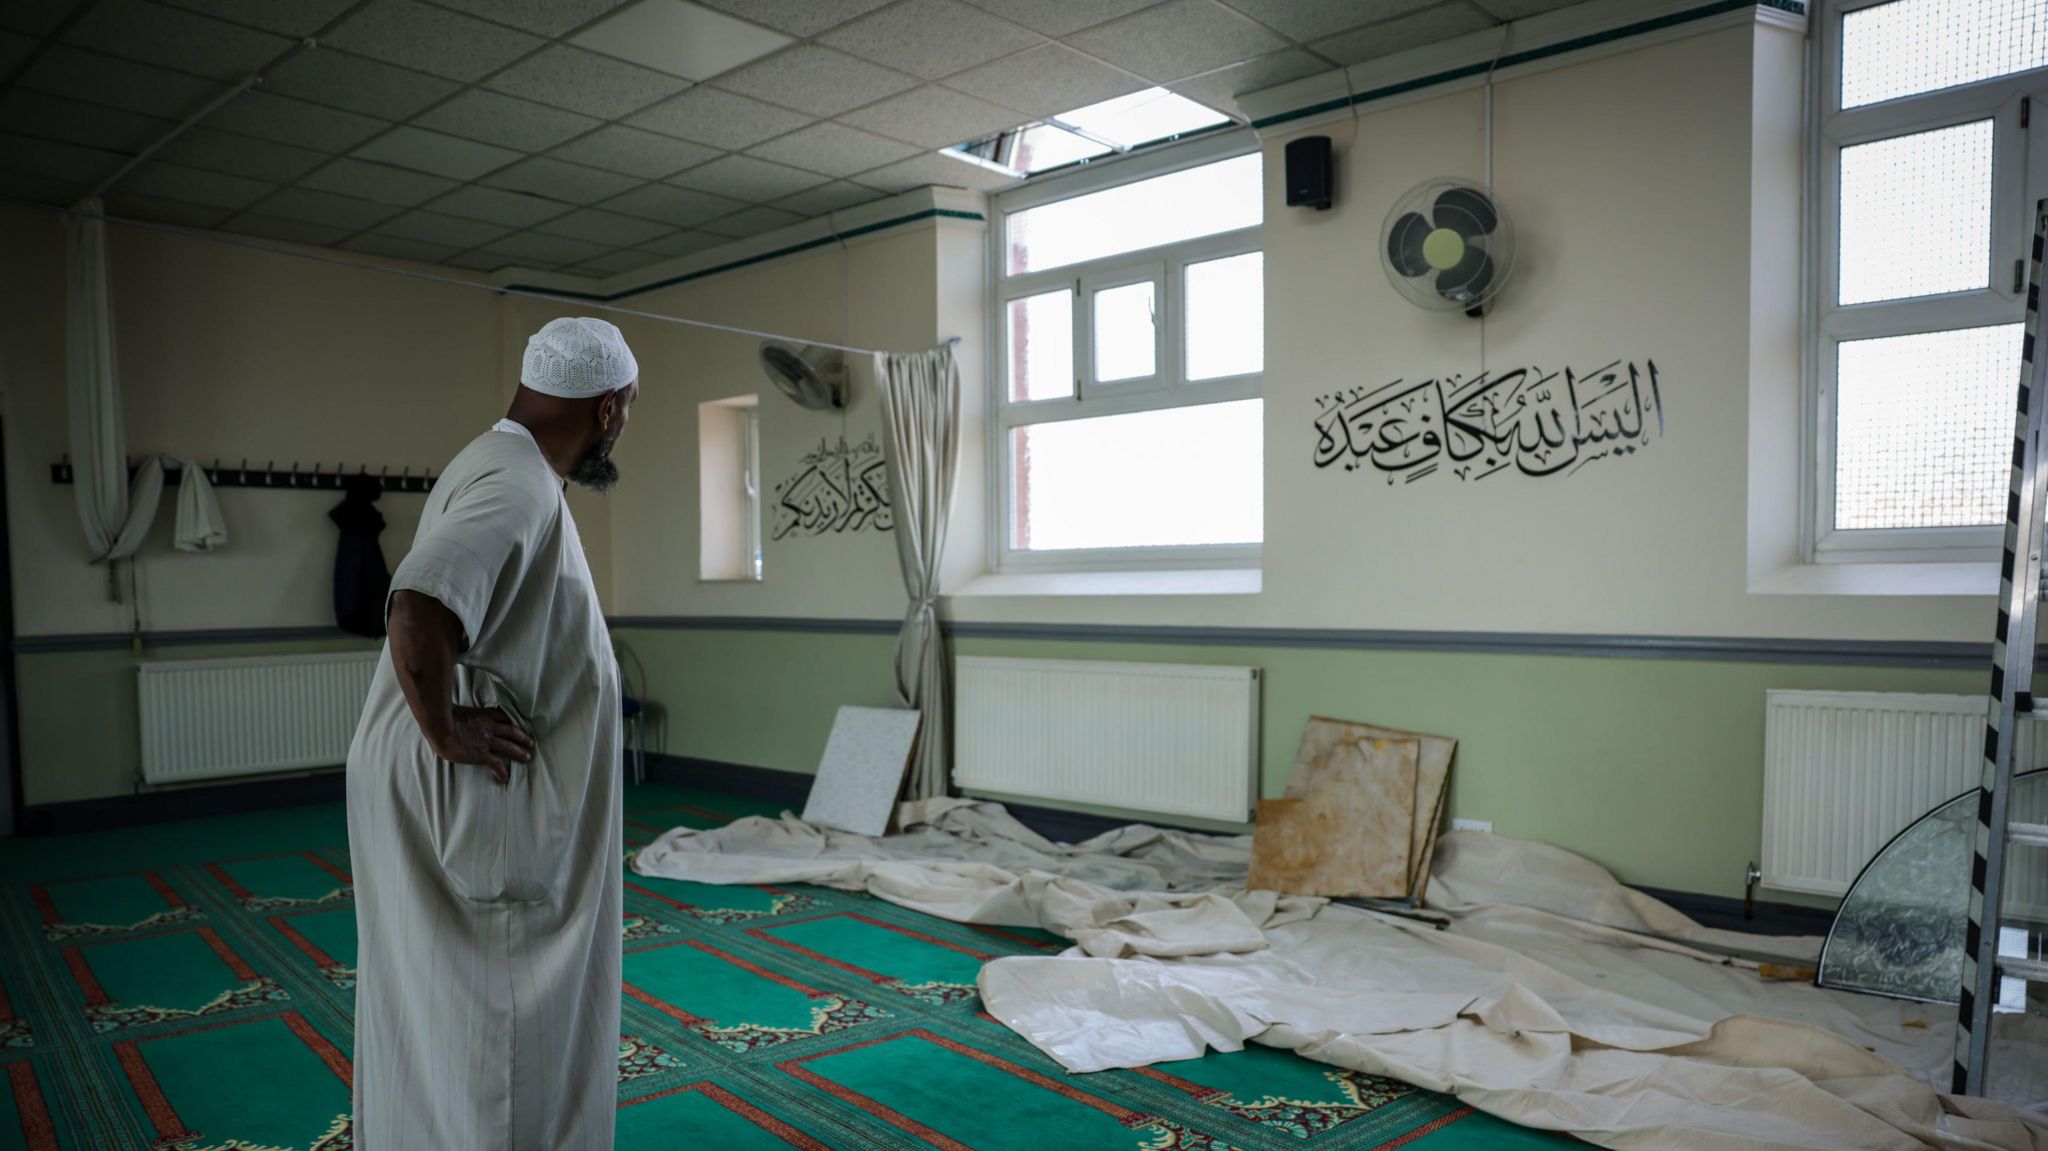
<point x="361" y="581"/>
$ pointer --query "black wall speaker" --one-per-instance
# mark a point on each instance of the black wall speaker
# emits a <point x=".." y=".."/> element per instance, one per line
<point x="1308" y="172"/>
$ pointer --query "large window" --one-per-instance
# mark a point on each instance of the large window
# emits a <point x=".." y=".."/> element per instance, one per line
<point x="1130" y="339"/>
<point x="1923" y="219"/>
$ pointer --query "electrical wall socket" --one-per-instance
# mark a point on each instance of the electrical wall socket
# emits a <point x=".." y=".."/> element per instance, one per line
<point x="1471" y="825"/>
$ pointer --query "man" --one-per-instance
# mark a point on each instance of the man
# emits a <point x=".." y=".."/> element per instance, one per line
<point x="483" y="791"/>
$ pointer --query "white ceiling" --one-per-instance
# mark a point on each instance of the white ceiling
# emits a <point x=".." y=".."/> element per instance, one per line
<point x="600" y="136"/>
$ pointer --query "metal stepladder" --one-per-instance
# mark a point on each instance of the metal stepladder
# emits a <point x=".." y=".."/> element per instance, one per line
<point x="2021" y="592"/>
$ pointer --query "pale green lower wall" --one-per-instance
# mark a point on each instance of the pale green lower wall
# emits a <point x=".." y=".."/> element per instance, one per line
<point x="1651" y="767"/>
<point x="80" y="732"/>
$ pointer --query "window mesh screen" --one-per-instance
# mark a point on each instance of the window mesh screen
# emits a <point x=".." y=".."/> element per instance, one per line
<point x="1911" y="46"/>
<point x="1923" y="428"/>
<point x="1916" y="214"/>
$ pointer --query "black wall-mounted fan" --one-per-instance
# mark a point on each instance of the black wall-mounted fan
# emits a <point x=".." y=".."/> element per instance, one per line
<point x="811" y="376"/>
<point x="1447" y="245"/>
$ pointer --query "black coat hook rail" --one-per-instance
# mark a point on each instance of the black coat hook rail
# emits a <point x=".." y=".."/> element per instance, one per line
<point x="271" y="476"/>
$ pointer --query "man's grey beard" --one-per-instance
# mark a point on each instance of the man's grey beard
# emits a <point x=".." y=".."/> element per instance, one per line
<point x="596" y="470"/>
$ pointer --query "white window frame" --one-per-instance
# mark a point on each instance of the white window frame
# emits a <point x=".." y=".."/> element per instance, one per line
<point x="2018" y="166"/>
<point x="1165" y="266"/>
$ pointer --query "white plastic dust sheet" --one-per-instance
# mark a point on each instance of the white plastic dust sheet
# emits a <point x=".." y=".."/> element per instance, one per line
<point x="1557" y="998"/>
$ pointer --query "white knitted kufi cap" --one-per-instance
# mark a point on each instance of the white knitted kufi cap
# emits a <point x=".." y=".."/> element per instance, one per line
<point x="576" y="357"/>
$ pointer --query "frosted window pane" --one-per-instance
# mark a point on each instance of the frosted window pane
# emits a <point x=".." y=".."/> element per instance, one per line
<point x="1043" y="146"/>
<point x="1125" y="347"/>
<point x="1911" y="46"/>
<point x="1042" y="346"/>
<point x="1226" y="317"/>
<point x="1916" y="214"/>
<point x="1923" y="428"/>
<point x="1175" y="476"/>
<point x="1219" y="197"/>
<point x="1142" y="117"/>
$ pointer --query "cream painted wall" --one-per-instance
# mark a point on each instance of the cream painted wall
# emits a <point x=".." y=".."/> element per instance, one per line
<point x="231" y="353"/>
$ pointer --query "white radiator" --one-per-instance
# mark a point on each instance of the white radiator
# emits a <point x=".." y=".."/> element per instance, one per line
<point x="1844" y="771"/>
<point x="1163" y="739"/>
<point x="207" y="718"/>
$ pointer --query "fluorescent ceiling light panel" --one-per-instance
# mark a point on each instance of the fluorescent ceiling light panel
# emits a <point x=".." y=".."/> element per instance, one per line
<point x="680" y="38"/>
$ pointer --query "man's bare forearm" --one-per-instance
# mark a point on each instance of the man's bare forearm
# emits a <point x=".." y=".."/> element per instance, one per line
<point x="425" y="639"/>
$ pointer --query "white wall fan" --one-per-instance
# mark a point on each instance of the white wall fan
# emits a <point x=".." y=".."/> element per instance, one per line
<point x="811" y="376"/>
<point x="1447" y="245"/>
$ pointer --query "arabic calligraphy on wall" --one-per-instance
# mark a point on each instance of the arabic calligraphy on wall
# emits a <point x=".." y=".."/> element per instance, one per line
<point x="1537" y="422"/>
<point x="835" y="490"/>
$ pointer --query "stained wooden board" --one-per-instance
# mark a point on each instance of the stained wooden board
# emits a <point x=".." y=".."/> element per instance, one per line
<point x="1432" y="779"/>
<point x="1348" y="833"/>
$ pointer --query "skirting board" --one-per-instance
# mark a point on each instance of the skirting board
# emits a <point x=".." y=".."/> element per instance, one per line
<point x="175" y="803"/>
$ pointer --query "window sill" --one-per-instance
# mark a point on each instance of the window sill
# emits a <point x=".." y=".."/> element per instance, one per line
<point x="1190" y="581"/>
<point x="1894" y="579"/>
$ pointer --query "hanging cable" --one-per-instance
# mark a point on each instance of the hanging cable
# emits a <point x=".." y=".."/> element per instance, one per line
<point x="430" y="277"/>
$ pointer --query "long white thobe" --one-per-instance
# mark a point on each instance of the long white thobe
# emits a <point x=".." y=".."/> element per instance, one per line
<point x="487" y="915"/>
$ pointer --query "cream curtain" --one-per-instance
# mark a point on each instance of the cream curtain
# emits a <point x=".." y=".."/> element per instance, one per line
<point x="115" y="519"/>
<point x="921" y="442"/>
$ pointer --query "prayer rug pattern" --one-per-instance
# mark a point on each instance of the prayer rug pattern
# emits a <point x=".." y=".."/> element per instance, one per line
<point x="160" y="993"/>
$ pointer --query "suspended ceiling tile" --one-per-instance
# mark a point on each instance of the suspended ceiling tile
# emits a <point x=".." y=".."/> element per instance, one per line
<point x="174" y="38"/>
<point x="357" y="83"/>
<point x="431" y="39"/>
<point x="514" y="209"/>
<point x="681" y="207"/>
<point x="931" y="168"/>
<point x="601" y="227"/>
<point x="203" y="147"/>
<point x="1220" y="89"/>
<point x="380" y="182"/>
<point x="55" y="161"/>
<point x="291" y="121"/>
<point x="133" y="206"/>
<point x="285" y="17"/>
<point x="1426" y="27"/>
<point x="933" y="117"/>
<point x="931" y="38"/>
<point x="39" y="17"/>
<point x="495" y="118"/>
<point x="585" y="82"/>
<point x="1179" y="39"/>
<point x="1045" y="80"/>
<point x="480" y="261"/>
<point x="279" y="228"/>
<point x="1310" y="19"/>
<point x="746" y="178"/>
<point x="827" y="198"/>
<point x="313" y="207"/>
<point x="50" y="117"/>
<point x="834" y="150"/>
<point x="752" y="222"/>
<point x="14" y="48"/>
<point x="1060" y="17"/>
<point x="1518" y="9"/>
<point x="816" y="80"/>
<point x="619" y="262"/>
<point x="798" y="17"/>
<point x="438" y="228"/>
<point x="39" y="189"/>
<point x="721" y="119"/>
<point x="680" y="38"/>
<point x="546" y="17"/>
<point x="400" y="248"/>
<point x="99" y="79"/>
<point x="617" y="148"/>
<point x="560" y="180"/>
<point x="194" y="185"/>
<point x="443" y="155"/>
<point x="684" y="243"/>
<point x="541" y="248"/>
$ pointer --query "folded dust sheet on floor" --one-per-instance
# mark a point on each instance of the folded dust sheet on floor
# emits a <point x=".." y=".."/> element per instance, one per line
<point x="1557" y="998"/>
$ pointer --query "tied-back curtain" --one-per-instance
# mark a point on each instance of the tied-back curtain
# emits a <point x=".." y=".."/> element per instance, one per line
<point x="114" y="523"/>
<point x="921" y="443"/>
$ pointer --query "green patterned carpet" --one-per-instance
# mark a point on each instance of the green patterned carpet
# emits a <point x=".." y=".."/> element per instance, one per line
<point x="190" y="986"/>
